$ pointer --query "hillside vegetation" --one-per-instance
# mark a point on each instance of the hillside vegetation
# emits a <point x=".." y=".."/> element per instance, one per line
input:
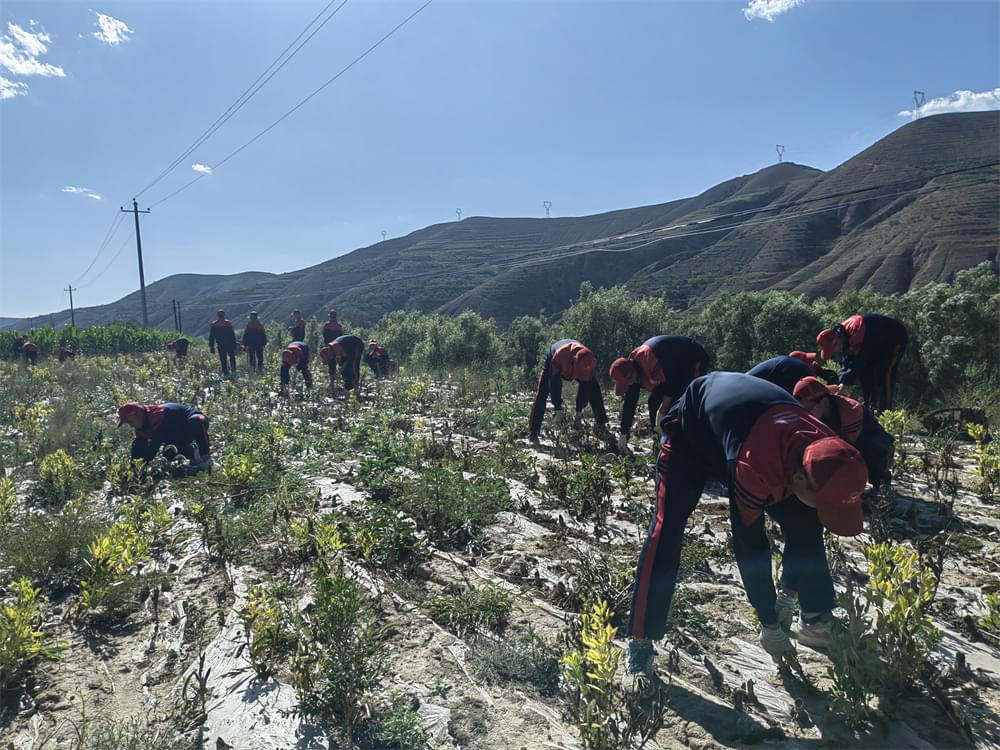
<point x="914" y="208"/>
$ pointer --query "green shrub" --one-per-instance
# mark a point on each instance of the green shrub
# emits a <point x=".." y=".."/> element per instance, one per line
<point x="22" y="645"/>
<point x="454" y="510"/>
<point x="401" y="728"/>
<point x="486" y="608"/>
<point x="526" y="658"/>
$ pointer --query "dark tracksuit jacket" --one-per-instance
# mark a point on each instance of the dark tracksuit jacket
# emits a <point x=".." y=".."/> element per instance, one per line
<point x="378" y="360"/>
<point x="255" y="339"/>
<point x="331" y="330"/>
<point x="748" y="434"/>
<point x="171" y="424"/>
<point x="783" y="370"/>
<point x="302" y="365"/>
<point x="30" y="352"/>
<point x="856" y="424"/>
<point x="350" y="366"/>
<point x="875" y="344"/>
<point x="666" y="365"/>
<point x="298" y="330"/>
<point x="223" y="336"/>
<point x="180" y="347"/>
<point x="557" y="368"/>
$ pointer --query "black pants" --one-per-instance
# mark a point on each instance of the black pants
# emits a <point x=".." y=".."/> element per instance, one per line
<point x="255" y="357"/>
<point x="198" y="427"/>
<point x="549" y="387"/>
<point x="350" y="370"/>
<point x="227" y="358"/>
<point x="878" y="382"/>
<point x="303" y="367"/>
<point x="680" y="480"/>
<point x="331" y="368"/>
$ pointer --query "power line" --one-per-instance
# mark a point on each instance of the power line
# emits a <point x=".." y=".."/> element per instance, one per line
<point x="287" y="114"/>
<point x="269" y="72"/>
<point x="108" y="235"/>
<point x="112" y="261"/>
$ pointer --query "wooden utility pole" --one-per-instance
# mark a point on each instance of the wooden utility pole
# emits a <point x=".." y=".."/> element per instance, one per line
<point x="138" y="246"/>
<point x="72" y="312"/>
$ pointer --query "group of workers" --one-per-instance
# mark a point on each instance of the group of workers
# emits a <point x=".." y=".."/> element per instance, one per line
<point x="338" y="350"/>
<point x="784" y="439"/>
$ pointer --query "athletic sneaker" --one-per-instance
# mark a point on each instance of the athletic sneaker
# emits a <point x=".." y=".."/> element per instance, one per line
<point x="640" y="674"/>
<point x="816" y="633"/>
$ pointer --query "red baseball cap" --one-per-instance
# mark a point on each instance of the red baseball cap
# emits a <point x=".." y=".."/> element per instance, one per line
<point x="326" y="354"/>
<point x="620" y="371"/>
<point x="332" y="313"/>
<point x="811" y="389"/>
<point x="289" y="357"/>
<point x="127" y="409"/>
<point x="221" y="313"/>
<point x="837" y="472"/>
<point x="827" y="339"/>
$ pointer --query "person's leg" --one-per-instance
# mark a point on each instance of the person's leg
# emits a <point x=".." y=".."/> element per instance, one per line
<point x="331" y="368"/>
<point x="306" y="375"/>
<point x="232" y="360"/>
<point x="597" y="403"/>
<point x="752" y="550"/>
<point x="804" y="567"/>
<point x="890" y="387"/>
<point x="541" y="396"/>
<point x="222" y="361"/>
<point x="679" y="483"/>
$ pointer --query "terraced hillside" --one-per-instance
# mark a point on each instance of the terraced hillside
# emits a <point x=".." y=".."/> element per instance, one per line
<point x="913" y="208"/>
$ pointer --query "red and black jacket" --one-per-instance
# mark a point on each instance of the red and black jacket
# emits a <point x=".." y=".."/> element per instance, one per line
<point x="868" y="340"/>
<point x="665" y="365"/>
<point x="254" y="335"/>
<point x="562" y="358"/>
<point x="298" y="329"/>
<point x="167" y="424"/>
<point x="331" y="330"/>
<point x="222" y="335"/>
<point x="784" y="371"/>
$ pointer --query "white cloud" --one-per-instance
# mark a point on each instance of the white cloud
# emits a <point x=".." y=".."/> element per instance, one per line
<point x="95" y="196"/>
<point x="9" y="89"/>
<point x="74" y="189"/>
<point x="20" y="49"/>
<point x="202" y="168"/>
<point x="112" y="31"/>
<point x="960" y="101"/>
<point x="769" y="9"/>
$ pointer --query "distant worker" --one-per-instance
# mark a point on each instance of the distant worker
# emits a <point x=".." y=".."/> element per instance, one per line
<point x="813" y="360"/>
<point x="16" y="344"/>
<point x="160" y="425"/>
<point x="297" y="328"/>
<point x="345" y="351"/>
<point x="66" y="353"/>
<point x="332" y="327"/>
<point x="180" y="347"/>
<point x="296" y="355"/>
<point x="783" y="370"/>
<point x="377" y="358"/>
<point x="568" y="360"/>
<point x="223" y="336"/>
<point x="662" y="365"/>
<point x="254" y="341"/>
<point x="774" y="458"/>
<point x="29" y="350"/>
<point x="852" y="421"/>
<point x="869" y="348"/>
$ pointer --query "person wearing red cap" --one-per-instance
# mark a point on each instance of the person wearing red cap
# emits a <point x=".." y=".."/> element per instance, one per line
<point x="568" y="360"/>
<point x="775" y="459"/>
<point x="28" y="350"/>
<point x="254" y="341"/>
<point x="812" y="359"/>
<point x="179" y="346"/>
<point x="783" y="371"/>
<point x="158" y="425"/>
<point x="852" y="421"/>
<point x="332" y="327"/>
<point x="222" y="335"/>
<point x="869" y="348"/>
<point x="65" y="353"/>
<point x="345" y="351"/>
<point x="297" y="328"/>
<point x="662" y="365"/>
<point x="377" y="358"/>
<point x="296" y="355"/>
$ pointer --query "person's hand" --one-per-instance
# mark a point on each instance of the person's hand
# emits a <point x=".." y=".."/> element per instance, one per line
<point x="785" y="608"/>
<point x="776" y="642"/>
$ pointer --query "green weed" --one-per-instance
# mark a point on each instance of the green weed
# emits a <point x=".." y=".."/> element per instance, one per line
<point x="487" y="608"/>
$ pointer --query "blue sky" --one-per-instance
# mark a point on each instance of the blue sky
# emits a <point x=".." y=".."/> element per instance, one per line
<point x="488" y="106"/>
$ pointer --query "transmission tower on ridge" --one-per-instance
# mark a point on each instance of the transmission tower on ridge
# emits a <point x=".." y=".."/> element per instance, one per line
<point x="383" y="235"/>
<point x="781" y="152"/>
<point x="458" y="213"/>
<point x="918" y="102"/>
<point x="548" y="205"/>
